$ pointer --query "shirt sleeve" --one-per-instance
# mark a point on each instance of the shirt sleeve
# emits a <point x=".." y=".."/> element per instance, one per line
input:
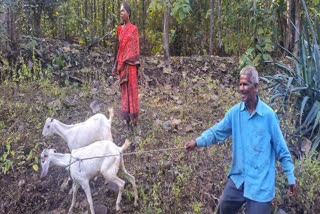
<point x="282" y="151"/>
<point x="216" y="133"/>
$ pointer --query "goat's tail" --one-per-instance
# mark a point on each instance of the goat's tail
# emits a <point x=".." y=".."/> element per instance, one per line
<point x="111" y="113"/>
<point x="126" y="144"/>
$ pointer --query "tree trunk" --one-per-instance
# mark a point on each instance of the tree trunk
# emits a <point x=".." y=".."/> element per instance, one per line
<point x="288" y="34"/>
<point x="95" y="10"/>
<point x="4" y="44"/>
<point x="11" y="26"/>
<point x="211" y="27"/>
<point x="85" y="8"/>
<point x="298" y="26"/>
<point x="37" y="12"/>
<point x="104" y="15"/>
<point x="143" y="20"/>
<point x="166" y="25"/>
<point x="219" y="25"/>
<point x="113" y="12"/>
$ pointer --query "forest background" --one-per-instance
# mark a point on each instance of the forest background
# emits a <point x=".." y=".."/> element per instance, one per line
<point x="56" y="59"/>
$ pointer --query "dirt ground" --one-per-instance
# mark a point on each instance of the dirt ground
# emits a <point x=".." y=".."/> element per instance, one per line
<point x="178" y="100"/>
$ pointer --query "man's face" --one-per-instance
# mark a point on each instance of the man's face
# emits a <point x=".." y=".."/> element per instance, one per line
<point x="124" y="16"/>
<point x="248" y="90"/>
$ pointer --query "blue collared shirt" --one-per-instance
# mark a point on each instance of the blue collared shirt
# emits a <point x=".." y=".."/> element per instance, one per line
<point x="257" y="142"/>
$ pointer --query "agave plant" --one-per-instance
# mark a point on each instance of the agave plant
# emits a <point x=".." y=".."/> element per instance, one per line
<point x="302" y="82"/>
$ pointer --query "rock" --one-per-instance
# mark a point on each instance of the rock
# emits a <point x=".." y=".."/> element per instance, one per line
<point x="56" y="104"/>
<point x="214" y="97"/>
<point x="69" y="101"/>
<point x="306" y="146"/>
<point x="95" y="106"/>
<point x="167" y="125"/>
<point x="175" y="123"/>
<point x="22" y="183"/>
<point x="100" y="209"/>
<point x="280" y="211"/>
<point x="112" y="186"/>
<point x="189" y="128"/>
<point x="166" y="165"/>
<point x="167" y="70"/>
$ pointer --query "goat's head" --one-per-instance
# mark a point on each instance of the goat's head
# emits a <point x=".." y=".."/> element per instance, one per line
<point x="45" y="161"/>
<point x="47" y="129"/>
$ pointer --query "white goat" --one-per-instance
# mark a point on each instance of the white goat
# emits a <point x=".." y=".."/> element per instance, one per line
<point x="84" y="163"/>
<point x="97" y="127"/>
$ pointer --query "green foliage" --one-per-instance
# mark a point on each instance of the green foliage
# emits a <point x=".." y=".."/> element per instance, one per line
<point x="25" y="68"/>
<point x="21" y="116"/>
<point x="33" y="157"/>
<point x="68" y="19"/>
<point x="308" y="184"/>
<point x="255" y="56"/>
<point x="85" y="22"/>
<point x="6" y="157"/>
<point x="16" y="159"/>
<point x="301" y="84"/>
<point x="16" y="155"/>
<point x="180" y="9"/>
<point x="157" y="6"/>
<point x="197" y="207"/>
<point x="262" y="34"/>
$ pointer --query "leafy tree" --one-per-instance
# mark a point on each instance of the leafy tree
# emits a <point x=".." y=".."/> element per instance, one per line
<point x="262" y="33"/>
<point x="178" y="9"/>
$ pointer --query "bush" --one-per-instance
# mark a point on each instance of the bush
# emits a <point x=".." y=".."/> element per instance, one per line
<point x="307" y="200"/>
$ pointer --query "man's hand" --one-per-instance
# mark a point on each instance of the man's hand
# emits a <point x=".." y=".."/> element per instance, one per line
<point x="190" y="145"/>
<point x="292" y="189"/>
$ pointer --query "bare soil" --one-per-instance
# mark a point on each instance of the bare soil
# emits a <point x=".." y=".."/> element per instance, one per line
<point x="178" y="100"/>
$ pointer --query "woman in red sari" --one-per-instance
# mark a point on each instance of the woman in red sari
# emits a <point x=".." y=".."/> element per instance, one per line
<point x="126" y="66"/>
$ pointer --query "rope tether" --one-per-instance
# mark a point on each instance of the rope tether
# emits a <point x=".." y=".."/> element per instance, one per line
<point x="127" y="153"/>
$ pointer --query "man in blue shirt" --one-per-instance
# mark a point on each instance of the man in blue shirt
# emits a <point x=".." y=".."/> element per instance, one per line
<point x="257" y="142"/>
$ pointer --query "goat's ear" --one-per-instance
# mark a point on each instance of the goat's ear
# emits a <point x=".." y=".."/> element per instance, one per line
<point x="51" y="120"/>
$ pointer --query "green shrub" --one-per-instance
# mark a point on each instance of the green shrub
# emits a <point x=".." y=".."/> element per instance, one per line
<point x="307" y="199"/>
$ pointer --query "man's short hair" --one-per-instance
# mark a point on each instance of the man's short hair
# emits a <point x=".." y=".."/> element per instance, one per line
<point x="252" y="72"/>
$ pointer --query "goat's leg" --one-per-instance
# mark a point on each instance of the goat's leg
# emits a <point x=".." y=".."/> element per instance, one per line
<point x="86" y="187"/>
<point x="75" y="187"/>
<point x="120" y="183"/>
<point x="132" y="180"/>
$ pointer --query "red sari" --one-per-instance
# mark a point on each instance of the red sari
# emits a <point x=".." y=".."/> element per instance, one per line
<point x="127" y="61"/>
